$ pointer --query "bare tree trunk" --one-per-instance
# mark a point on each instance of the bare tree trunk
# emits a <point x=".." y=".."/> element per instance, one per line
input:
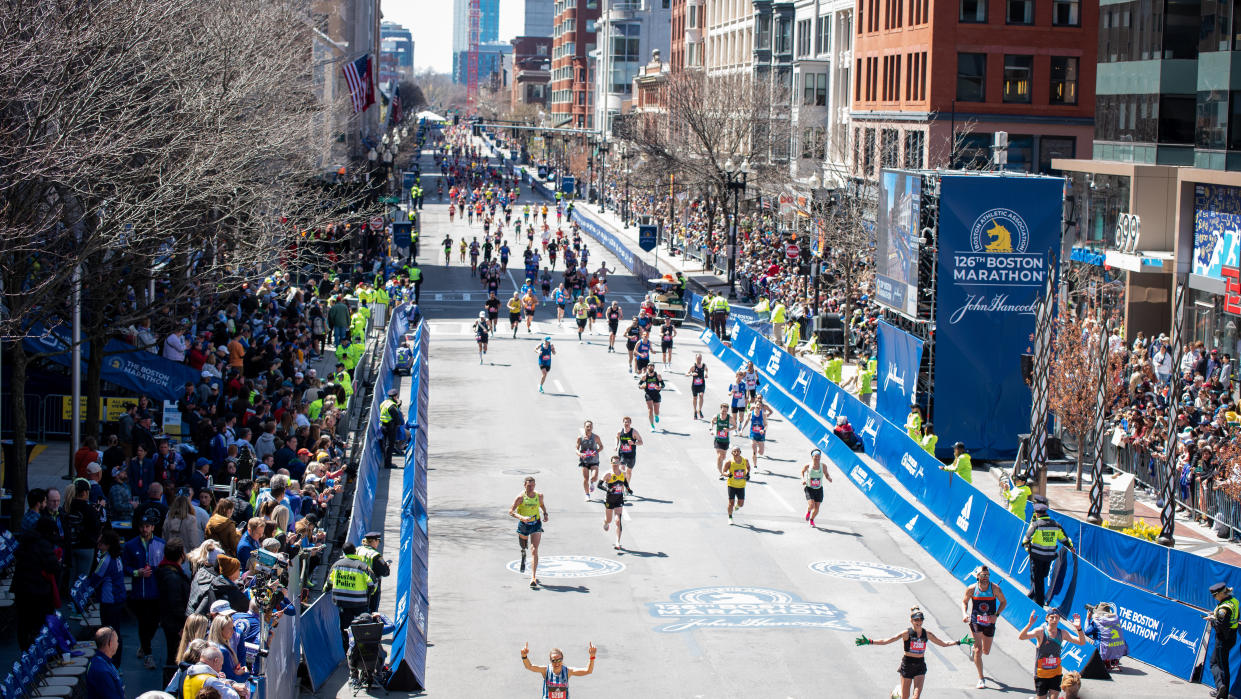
<point x="94" y="380"/>
<point x="18" y="453"/>
<point x="1081" y="453"/>
<point x="848" y="318"/>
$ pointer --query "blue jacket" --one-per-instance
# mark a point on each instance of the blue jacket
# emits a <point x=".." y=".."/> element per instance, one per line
<point x="108" y="577"/>
<point x="102" y="679"/>
<point x="245" y="547"/>
<point x="137" y="556"/>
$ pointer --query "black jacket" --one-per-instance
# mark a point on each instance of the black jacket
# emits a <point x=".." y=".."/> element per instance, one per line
<point x="209" y="586"/>
<point x="35" y="556"/>
<point x="174" y="594"/>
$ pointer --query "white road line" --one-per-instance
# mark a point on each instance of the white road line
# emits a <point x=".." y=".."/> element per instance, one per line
<point x="465" y="297"/>
<point x="775" y="493"/>
<point x="516" y="286"/>
<point x="558" y="385"/>
<point x="439" y="297"/>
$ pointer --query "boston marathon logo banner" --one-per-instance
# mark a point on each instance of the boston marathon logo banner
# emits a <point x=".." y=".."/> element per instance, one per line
<point x="997" y="237"/>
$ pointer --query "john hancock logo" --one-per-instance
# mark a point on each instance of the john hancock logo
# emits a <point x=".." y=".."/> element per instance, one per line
<point x="999" y="230"/>
<point x="744" y="608"/>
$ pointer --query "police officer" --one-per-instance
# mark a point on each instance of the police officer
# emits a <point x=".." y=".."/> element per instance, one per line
<point x="351" y="583"/>
<point x="390" y="420"/>
<point x="1224" y="619"/>
<point x="369" y="554"/>
<point x="1042" y="542"/>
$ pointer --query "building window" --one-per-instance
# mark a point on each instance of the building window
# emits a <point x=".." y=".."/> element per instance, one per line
<point x="1017" y="70"/>
<point x="1020" y="11"/>
<point x="972" y="77"/>
<point x="914" y="144"/>
<point x="803" y="38"/>
<point x="762" y="38"/>
<point x="784" y="35"/>
<point x="692" y="16"/>
<point x="823" y="34"/>
<point x="890" y="145"/>
<point x="972" y="151"/>
<point x="1063" y="80"/>
<point x="812" y="143"/>
<point x="1065" y="13"/>
<point x="1020" y="153"/>
<point x="973" y="11"/>
<point x="820" y="89"/>
<point x="868" y="152"/>
<point x="1176" y="119"/>
<point x="1054" y="147"/>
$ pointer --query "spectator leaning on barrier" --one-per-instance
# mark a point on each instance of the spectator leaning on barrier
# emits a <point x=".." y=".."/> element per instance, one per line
<point x="961" y="464"/>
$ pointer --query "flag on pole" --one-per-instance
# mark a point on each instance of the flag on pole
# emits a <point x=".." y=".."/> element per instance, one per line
<point x="361" y="83"/>
<point x="395" y="116"/>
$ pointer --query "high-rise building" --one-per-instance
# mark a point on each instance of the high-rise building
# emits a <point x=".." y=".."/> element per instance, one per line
<point x="686" y="43"/>
<point x="1161" y="199"/>
<point x="730" y="36"/>
<point x="537" y="20"/>
<point x="488" y="33"/>
<point x="627" y="33"/>
<point x="396" y="53"/>
<point x="934" y="82"/>
<point x="573" y="40"/>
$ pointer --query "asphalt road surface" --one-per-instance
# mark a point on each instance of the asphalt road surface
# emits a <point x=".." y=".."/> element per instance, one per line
<point x="693" y="606"/>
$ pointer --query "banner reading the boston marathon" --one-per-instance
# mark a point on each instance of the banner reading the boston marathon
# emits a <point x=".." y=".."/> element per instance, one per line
<point x="996" y="237"/>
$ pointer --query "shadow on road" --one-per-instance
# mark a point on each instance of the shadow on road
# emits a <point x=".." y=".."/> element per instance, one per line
<point x="563" y="395"/>
<point x="643" y="498"/>
<point x="829" y="530"/>
<point x="643" y="554"/>
<point x="759" y="530"/>
<point x="564" y="588"/>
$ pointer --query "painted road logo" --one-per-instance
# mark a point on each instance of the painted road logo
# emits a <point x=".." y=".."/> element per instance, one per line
<point x="867" y="571"/>
<point x="744" y="608"/>
<point x="572" y="566"/>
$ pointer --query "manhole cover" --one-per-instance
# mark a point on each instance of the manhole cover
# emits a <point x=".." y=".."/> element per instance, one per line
<point x="450" y="513"/>
<point x="520" y="471"/>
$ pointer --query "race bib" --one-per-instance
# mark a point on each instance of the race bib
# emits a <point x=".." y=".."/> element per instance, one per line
<point x="984" y="620"/>
<point x="626" y="448"/>
<point x="758" y="429"/>
<point x="917" y="646"/>
<point x="815" y="482"/>
<point x="697" y="381"/>
<point x="1050" y="662"/>
<point x="721" y="433"/>
<point x="589" y="453"/>
<point x="557" y="693"/>
<point x="617" y="488"/>
<point x="738" y="473"/>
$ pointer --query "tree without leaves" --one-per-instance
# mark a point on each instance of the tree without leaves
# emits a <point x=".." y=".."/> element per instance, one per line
<point x="1075" y="372"/>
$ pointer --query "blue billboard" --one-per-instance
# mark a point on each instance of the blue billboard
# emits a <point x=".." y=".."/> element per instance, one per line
<point x="900" y="357"/>
<point x="1217" y="229"/>
<point x="997" y="239"/>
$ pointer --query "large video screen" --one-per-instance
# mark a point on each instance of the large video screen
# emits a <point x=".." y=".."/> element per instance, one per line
<point x="896" y="241"/>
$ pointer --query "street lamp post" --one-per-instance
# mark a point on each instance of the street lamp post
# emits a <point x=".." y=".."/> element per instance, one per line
<point x="625" y="210"/>
<point x="603" y="173"/>
<point x="737" y="177"/>
<point x="820" y="199"/>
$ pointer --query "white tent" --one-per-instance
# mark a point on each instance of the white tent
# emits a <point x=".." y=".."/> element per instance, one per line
<point x="429" y="116"/>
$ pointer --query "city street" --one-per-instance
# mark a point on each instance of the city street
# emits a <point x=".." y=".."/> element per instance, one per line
<point x="692" y="607"/>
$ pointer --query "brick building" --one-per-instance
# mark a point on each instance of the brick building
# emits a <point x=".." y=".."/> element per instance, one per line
<point x="532" y="57"/>
<point x="573" y="38"/>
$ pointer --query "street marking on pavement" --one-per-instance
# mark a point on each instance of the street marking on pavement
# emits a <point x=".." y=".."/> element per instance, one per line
<point x="558" y="385"/>
<point x="572" y="566"/>
<point x="744" y="608"/>
<point x="775" y="493"/>
<point x="439" y="297"/>
<point x="867" y="571"/>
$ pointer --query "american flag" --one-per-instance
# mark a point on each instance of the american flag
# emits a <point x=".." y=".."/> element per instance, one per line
<point x="361" y="86"/>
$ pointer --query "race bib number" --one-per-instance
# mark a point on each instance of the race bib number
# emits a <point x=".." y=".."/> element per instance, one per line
<point x="758" y="429"/>
<point x="815" y="482"/>
<point x="917" y="646"/>
<point x="589" y="453"/>
<point x="984" y="620"/>
<point x="557" y="693"/>
<point x="721" y="433"/>
<point x="739" y="473"/>
<point x="626" y="448"/>
<point x="1050" y="662"/>
<point x="697" y="382"/>
<point x="617" y="488"/>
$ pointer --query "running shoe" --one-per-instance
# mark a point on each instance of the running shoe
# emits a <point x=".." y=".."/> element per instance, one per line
<point x="587" y="498"/>
<point x="616" y="546"/>
<point x="534" y="583"/>
<point x="656" y="418"/>
<point x="812" y="522"/>
<point x="982" y="684"/>
<point x="605" y="526"/>
<point x="807" y="515"/>
<point x="540" y="388"/>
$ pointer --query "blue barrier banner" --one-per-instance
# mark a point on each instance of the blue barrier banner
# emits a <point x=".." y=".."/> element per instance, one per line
<point x="320" y="639"/>
<point x="1001" y="540"/>
<point x="1190" y="576"/>
<point x="1126" y="558"/>
<point x="281" y="675"/>
<point x="126" y="366"/>
<point x="995" y="233"/>
<point x="900" y="357"/>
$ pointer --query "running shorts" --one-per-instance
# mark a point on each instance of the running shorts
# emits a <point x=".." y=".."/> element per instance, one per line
<point x="916" y="667"/>
<point x="813" y="494"/>
<point x="987" y="630"/>
<point x="736" y="493"/>
<point x="528" y="528"/>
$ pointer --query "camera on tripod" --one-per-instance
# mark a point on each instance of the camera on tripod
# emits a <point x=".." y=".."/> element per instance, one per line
<point x="271" y="574"/>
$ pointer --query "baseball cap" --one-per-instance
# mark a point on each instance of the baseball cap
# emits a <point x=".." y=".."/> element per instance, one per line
<point x="221" y="606"/>
<point x="94" y="468"/>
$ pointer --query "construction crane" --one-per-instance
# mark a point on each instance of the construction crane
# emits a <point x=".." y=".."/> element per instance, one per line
<point x="471" y="61"/>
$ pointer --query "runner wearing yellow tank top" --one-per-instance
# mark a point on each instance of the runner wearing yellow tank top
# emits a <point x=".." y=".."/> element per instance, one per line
<point x="738" y="472"/>
<point x="525" y="509"/>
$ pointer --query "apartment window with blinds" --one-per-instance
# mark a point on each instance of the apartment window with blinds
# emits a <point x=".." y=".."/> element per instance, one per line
<point x="1066" y="13"/>
<point x="1017" y="74"/>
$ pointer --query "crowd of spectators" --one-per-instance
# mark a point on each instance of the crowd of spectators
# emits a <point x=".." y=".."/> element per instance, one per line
<point x="164" y="525"/>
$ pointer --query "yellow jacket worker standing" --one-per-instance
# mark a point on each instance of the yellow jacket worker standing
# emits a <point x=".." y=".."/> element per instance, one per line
<point x="930" y="440"/>
<point x="961" y="464"/>
<point x="1017" y="496"/>
<point x="834" y="367"/>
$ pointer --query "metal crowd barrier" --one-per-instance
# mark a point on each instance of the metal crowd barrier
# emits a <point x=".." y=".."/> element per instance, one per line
<point x="1150" y="471"/>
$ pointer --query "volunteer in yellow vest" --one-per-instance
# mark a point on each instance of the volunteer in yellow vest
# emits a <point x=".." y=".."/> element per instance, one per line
<point x="369" y="554"/>
<point x="834" y="367"/>
<point x="351" y="583"/>
<point x="1017" y="496"/>
<point x="1042" y="541"/>
<point x="779" y="316"/>
<point x="1224" y="619"/>
<point x="762" y="309"/>
<point x="390" y="421"/>
<point x="961" y="464"/>
<point x="913" y="423"/>
<point x="343" y="378"/>
<point x="929" y="439"/>
<point x="415" y="278"/>
<point x="866" y="383"/>
<point x="792" y="337"/>
<point x="315" y="409"/>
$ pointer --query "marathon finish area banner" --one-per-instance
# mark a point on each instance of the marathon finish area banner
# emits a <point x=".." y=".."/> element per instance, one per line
<point x="123" y="364"/>
<point x="900" y="357"/>
<point x="995" y="236"/>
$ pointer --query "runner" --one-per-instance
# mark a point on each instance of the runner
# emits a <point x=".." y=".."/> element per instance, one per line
<point x="556" y="675"/>
<point x="545" y="284"/>
<point x="528" y="304"/>
<point x="751" y="380"/>
<point x="736" y="391"/>
<point x="982" y="606"/>
<point x="812" y="475"/>
<point x="698" y="384"/>
<point x="560" y="297"/>
<point x="481" y="332"/>
<point x="613" y="316"/>
<point x="615" y="485"/>
<point x="514" y="312"/>
<point x="463" y="248"/>
<point x="720" y="429"/>
<point x="545" y="351"/>
<point x="632" y="334"/>
<point x="627" y="442"/>
<point x="756" y="418"/>
<point x="474" y="258"/>
<point x="642" y="354"/>
<point x="580" y="312"/>
<point x="588" y="447"/>
<point x="667" y="332"/>
<point x="526" y="510"/>
<point x="596" y="307"/>
<point x="737" y="471"/>
<point x="1048" y="640"/>
<point x="913" y="662"/>
<point x="492" y="304"/>
<point x="652" y="384"/>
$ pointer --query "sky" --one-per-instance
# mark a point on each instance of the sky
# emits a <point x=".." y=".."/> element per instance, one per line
<point x="431" y="23"/>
